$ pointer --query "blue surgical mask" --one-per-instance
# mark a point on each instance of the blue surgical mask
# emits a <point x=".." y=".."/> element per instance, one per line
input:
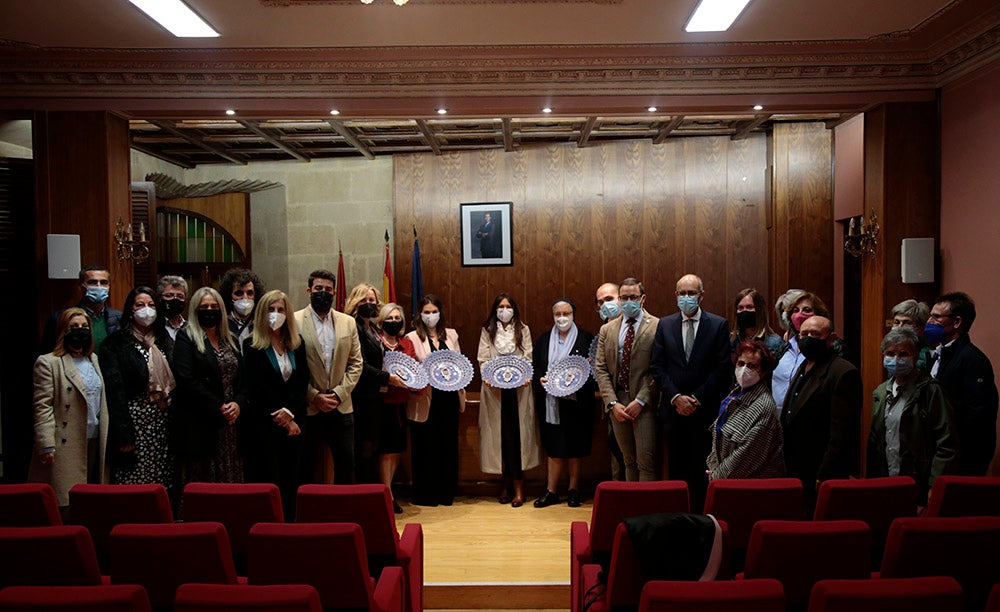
<point x="688" y="304"/>
<point x="897" y="366"/>
<point x="610" y="310"/>
<point x="631" y="309"/>
<point x="97" y="295"/>
<point x="934" y="333"/>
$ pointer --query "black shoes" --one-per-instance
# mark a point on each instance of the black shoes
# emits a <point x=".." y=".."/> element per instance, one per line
<point x="573" y="499"/>
<point x="396" y="507"/>
<point x="549" y="499"/>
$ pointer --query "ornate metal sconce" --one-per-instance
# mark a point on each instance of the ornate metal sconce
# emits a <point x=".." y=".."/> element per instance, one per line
<point x="128" y="247"/>
<point x="862" y="236"/>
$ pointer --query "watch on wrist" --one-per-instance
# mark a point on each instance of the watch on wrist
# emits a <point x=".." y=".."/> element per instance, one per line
<point x="610" y="407"/>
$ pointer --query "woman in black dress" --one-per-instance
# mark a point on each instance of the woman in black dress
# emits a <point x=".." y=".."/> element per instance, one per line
<point x="208" y="397"/>
<point x="567" y="423"/>
<point x="276" y="375"/>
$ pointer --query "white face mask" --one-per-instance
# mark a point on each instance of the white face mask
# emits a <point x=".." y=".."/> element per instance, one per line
<point x="430" y="320"/>
<point x="243" y="306"/>
<point x="144" y="316"/>
<point x="275" y="319"/>
<point x="746" y="378"/>
<point x="564" y="323"/>
<point x="505" y="314"/>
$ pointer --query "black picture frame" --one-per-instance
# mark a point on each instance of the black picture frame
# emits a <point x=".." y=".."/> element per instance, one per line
<point x="487" y="243"/>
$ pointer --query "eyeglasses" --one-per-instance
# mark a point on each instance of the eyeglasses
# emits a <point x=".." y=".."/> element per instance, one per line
<point x="630" y="298"/>
<point x="938" y="317"/>
<point x="691" y="293"/>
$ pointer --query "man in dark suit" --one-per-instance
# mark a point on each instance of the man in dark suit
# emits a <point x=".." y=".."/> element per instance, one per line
<point x="691" y="365"/>
<point x="95" y="281"/>
<point x="821" y="417"/>
<point x="967" y="376"/>
<point x="489" y="238"/>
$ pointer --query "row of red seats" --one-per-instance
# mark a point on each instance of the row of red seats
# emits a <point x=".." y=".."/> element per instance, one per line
<point x="238" y="507"/>
<point x="190" y="598"/>
<point x="740" y="504"/>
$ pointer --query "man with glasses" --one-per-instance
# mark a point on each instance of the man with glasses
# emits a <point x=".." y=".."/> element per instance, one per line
<point x="691" y="364"/>
<point x="966" y="374"/>
<point x="628" y="391"/>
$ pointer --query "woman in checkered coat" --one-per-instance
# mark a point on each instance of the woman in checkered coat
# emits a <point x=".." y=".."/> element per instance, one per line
<point x="746" y="436"/>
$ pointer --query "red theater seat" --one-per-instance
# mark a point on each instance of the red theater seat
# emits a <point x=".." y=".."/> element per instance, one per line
<point x="614" y="501"/>
<point x="100" y="507"/>
<point x="105" y="598"/>
<point x="242" y="597"/>
<point x="931" y="594"/>
<point x="964" y="496"/>
<point x="62" y="555"/>
<point x="28" y="505"/>
<point x="764" y="595"/>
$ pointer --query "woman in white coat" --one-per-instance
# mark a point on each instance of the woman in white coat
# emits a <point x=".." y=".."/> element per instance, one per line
<point x="71" y="412"/>
<point x="508" y="430"/>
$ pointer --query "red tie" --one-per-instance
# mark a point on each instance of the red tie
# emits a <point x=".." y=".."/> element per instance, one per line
<point x="623" y="371"/>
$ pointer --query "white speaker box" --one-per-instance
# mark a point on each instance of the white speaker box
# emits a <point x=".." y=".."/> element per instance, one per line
<point x="918" y="260"/>
<point x="64" y="255"/>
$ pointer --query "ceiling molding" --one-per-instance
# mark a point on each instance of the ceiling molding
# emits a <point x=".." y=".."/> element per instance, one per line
<point x="297" y="3"/>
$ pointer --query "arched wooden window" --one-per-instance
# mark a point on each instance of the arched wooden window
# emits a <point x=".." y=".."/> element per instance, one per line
<point x="193" y="245"/>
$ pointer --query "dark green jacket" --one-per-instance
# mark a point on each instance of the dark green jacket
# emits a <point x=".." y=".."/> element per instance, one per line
<point x="928" y="445"/>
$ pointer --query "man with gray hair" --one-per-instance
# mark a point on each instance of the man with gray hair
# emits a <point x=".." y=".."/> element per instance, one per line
<point x="913" y="314"/>
<point x="171" y="292"/>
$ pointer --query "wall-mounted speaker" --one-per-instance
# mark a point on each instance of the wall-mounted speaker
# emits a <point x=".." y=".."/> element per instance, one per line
<point x="64" y="255"/>
<point x="918" y="260"/>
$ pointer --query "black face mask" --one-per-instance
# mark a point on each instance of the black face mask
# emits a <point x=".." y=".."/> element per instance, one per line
<point x="209" y="319"/>
<point x="368" y="310"/>
<point x="77" y="338"/>
<point x="321" y="301"/>
<point x="392" y="327"/>
<point x="813" y="349"/>
<point x="746" y="319"/>
<point x="172" y="308"/>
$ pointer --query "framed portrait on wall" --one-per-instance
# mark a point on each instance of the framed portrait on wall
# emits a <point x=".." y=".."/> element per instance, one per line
<point x="486" y="234"/>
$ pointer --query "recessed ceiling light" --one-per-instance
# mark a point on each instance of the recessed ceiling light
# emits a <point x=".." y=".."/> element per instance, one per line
<point x="546" y="110"/>
<point x="442" y="111"/>
<point x="335" y="112"/>
<point x="652" y="109"/>
<point x="715" y="15"/>
<point x="758" y="107"/>
<point x="230" y="112"/>
<point x="176" y="17"/>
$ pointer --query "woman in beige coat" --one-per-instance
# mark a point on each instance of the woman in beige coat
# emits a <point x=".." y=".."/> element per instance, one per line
<point x="71" y="413"/>
<point x="508" y="429"/>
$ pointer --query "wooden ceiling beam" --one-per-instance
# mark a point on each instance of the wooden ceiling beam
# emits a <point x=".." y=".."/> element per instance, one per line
<point x="744" y="131"/>
<point x="508" y="135"/>
<point x="164" y="156"/>
<point x="588" y="127"/>
<point x="664" y="133"/>
<point x="350" y="137"/>
<point x="198" y="141"/>
<point x="429" y="137"/>
<point x="255" y="128"/>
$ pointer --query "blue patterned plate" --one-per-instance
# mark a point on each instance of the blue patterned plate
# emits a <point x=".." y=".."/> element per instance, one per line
<point x="448" y="370"/>
<point x="507" y="371"/>
<point x="406" y="368"/>
<point x="567" y="376"/>
<point x="592" y="353"/>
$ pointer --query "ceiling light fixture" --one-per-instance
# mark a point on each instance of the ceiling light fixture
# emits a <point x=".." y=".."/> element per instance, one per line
<point x="715" y="15"/>
<point x="652" y="109"/>
<point x="335" y="112"/>
<point x="176" y="17"/>
<point x="758" y="107"/>
<point x="546" y="110"/>
<point x="396" y="2"/>
<point x="442" y="111"/>
<point x="230" y="112"/>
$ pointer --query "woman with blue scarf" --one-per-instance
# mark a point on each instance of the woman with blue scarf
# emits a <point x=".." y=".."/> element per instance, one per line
<point x="567" y="423"/>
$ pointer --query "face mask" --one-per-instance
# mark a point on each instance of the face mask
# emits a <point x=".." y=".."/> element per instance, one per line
<point x="505" y="314"/>
<point x="746" y="378"/>
<point x="431" y="320"/>
<point x="172" y="308"/>
<point x="77" y="338"/>
<point x="243" y="307"/>
<point x="746" y="319"/>
<point x="368" y="310"/>
<point x="934" y="333"/>
<point x="897" y="366"/>
<point x="564" y="323"/>
<point x="321" y="301"/>
<point x="392" y="327"/>
<point x="813" y="349"/>
<point x="631" y="309"/>
<point x="275" y="320"/>
<point x="209" y="319"/>
<point x="97" y="295"/>
<point x="688" y="304"/>
<point x="144" y="316"/>
<point x="798" y="319"/>
<point x="610" y="310"/>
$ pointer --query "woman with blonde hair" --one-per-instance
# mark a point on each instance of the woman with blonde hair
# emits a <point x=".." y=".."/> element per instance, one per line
<point x="209" y="396"/>
<point x="68" y="381"/>
<point x="363" y="304"/>
<point x="275" y="370"/>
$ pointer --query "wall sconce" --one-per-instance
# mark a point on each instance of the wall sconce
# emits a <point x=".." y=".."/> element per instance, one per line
<point x="128" y="247"/>
<point x="862" y="236"/>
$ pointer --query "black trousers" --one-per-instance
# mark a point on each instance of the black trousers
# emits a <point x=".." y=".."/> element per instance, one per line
<point x="434" y="453"/>
<point x="688" y="445"/>
<point x="336" y="431"/>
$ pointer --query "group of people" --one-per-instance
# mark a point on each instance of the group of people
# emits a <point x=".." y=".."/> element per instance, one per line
<point x="232" y="386"/>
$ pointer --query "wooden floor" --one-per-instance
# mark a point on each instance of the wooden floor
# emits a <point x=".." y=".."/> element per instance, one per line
<point x="479" y="554"/>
